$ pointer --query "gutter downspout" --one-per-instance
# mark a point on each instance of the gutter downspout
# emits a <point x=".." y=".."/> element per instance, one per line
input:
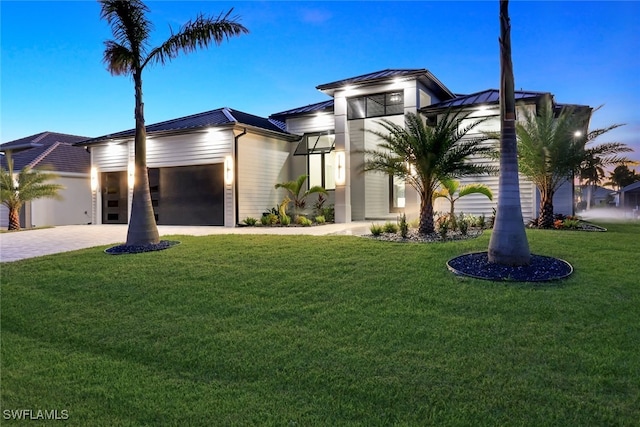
<point x="235" y="173"/>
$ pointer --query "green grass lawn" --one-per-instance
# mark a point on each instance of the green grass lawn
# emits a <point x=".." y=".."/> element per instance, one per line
<point x="341" y="330"/>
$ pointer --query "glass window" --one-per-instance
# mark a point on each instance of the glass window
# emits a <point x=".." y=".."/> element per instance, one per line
<point x="320" y="151"/>
<point x="377" y="105"/>
<point x="396" y="194"/>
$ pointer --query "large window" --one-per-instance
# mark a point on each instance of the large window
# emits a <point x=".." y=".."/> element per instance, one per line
<point x="397" y="196"/>
<point x="381" y="104"/>
<point x="321" y="157"/>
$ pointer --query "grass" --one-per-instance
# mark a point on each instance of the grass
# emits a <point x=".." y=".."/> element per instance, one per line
<point x="340" y="330"/>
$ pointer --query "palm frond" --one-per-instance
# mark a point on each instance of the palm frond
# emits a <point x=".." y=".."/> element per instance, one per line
<point x="118" y="58"/>
<point x="129" y="24"/>
<point x="198" y="33"/>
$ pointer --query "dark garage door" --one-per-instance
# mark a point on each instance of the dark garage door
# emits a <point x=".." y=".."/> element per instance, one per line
<point x="188" y="195"/>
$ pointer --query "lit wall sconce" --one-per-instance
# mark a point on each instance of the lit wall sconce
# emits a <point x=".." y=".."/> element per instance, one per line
<point x="94" y="179"/>
<point x="228" y="170"/>
<point x="131" y="174"/>
<point x="341" y="171"/>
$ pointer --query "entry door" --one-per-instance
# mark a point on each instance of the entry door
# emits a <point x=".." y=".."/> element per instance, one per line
<point x="114" y="198"/>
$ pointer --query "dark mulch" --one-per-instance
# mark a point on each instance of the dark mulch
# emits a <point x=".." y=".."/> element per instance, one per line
<point x="541" y="269"/>
<point x="136" y="249"/>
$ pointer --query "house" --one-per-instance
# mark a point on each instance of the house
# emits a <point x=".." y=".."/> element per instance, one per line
<point x="56" y="152"/>
<point x="220" y="166"/>
<point x="600" y="196"/>
<point x="630" y="199"/>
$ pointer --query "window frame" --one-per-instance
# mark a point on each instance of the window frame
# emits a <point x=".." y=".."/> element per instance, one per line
<point x="358" y="107"/>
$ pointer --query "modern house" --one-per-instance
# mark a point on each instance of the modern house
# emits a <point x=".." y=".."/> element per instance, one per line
<point x="220" y="166"/>
<point x="54" y="152"/>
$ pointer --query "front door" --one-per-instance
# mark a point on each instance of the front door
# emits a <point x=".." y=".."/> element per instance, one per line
<point x="114" y="198"/>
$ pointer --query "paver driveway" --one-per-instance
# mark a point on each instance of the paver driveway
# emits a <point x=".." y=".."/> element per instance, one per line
<point x="32" y="243"/>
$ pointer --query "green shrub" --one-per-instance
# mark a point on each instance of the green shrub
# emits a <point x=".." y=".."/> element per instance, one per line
<point x="443" y="226"/>
<point x="390" y="227"/>
<point x="329" y="213"/>
<point x="463" y="224"/>
<point x="375" y="229"/>
<point x="404" y="226"/>
<point x="285" y="219"/>
<point x="481" y="221"/>
<point x="250" y="221"/>
<point x="414" y="223"/>
<point x="571" y="223"/>
<point x="304" y="221"/>
<point x="269" y="219"/>
<point x="320" y="219"/>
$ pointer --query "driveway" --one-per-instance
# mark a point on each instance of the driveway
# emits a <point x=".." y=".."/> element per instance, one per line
<point x="33" y="243"/>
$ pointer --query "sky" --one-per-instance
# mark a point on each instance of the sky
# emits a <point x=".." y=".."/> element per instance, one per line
<point x="53" y="77"/>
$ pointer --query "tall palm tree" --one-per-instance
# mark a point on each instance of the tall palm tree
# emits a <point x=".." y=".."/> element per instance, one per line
<point x="597" y="158"/>
<point x="29" y="184"/>
<point x="452" y="191"/>
<point x="550" y="152"/>
<point x="423" y="156"/>
<point x="129" y="54"/>
<point x="591" y="173"/>
<point x="508" y="244"/>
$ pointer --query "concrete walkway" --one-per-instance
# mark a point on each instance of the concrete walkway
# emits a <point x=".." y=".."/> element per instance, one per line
<point x="33" y="243"/>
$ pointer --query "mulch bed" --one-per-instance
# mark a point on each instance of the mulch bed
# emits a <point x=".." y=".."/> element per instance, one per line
<point x="137" y="249"/>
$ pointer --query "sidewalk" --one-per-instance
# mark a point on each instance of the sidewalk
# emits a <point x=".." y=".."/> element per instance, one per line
<point x="33" y="243"/>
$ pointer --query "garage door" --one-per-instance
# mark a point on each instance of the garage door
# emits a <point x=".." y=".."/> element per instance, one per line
<point x="188" y="195"/>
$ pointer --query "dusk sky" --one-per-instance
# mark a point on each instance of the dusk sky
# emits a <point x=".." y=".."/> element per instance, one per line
<point x="53" y="78"/>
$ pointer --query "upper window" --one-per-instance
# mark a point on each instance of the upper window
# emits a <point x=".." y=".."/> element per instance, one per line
<point x="381" y="104"/>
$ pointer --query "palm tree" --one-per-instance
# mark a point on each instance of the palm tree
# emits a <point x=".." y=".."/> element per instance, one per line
<point x="622" y="176"/>
<point x="294" y="189"/>
<point x="129" y="54"/>
<point x="30" y="184"/>
<point x="423" y="156"/>
<point x="596" y="158"/>
<point x="508" y="244"/>
<point x="449" y="189"/>
<point x="550" y="152"/>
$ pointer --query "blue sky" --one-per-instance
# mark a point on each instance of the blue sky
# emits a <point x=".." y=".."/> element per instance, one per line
<point x="53" y="77"/>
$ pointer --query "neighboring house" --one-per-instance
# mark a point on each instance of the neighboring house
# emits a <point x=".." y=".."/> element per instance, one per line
<point x="600" y="196"/>
<point x="630" y="198"/>
<point x="54" y="152"/>
<point x="220" y="166"/>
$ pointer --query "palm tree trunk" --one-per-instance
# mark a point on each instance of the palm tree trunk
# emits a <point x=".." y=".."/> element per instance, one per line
<point x="508" y="244"/>
<point x="426" y="213"/>
<point x="14" y="219"/>
<point x="589" y="194"/>
<point x="142" y="224"/>
<point x="545" y="219"/>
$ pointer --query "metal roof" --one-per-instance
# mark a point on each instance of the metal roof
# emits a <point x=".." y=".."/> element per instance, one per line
<point x="219" y="117"/>
<point x="311" y="108"/>
<point x="422" y="74"/>
<point x="490" y="96"/>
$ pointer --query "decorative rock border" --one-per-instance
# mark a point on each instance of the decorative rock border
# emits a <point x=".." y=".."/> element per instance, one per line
<point x="540" y="269"/>
<point x="137" y="249"/>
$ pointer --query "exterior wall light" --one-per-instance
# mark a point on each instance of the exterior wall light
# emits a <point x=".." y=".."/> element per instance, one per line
<point x="94" y="179"/>
<point x="341" y="170"/>
<point x="131" y="175"/>
<point x="228" y="170"/>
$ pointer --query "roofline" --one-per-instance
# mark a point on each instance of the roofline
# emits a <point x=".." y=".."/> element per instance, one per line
<point x="285" y="114"/>
<point x="163" y="133"/>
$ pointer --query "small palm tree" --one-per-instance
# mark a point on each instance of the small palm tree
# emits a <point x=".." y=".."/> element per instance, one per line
<point x="622" y="176"/>
<point x="452" y="191"/>
<point x="129" y="54"/>
<point x="28" y="185"/>
<point x="551" y="152"/>
<point x="294" y="189"/>
<point x="596" y="158"/>
<point x="424" y="156"/>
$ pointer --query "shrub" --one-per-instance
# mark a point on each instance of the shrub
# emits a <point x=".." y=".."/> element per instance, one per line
<point x="481" y="222"/>
<point x="571" y="223"/>
<point x="390" y="227"/>
<point x="250" y="221"/>
<point x="463" y="224"/>
<point x="375" y="229"/>
<point x="304" y="221"/>
<point x="269" y="219"/>
<point x="558" y="223"/>
<point x="285" y="219"/>
<point x="404" y="226"/>
<point x="320" y="219"/>
<point x="414" y="223"/>
<point x="329" y="213"/>
<point x="443" y="226"/>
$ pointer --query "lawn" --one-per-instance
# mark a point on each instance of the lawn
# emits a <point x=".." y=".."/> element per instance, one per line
<point x="339" y="330"/>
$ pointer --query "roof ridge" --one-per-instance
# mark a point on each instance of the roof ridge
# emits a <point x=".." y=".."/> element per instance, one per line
<point x="227" y="113"/>
<point x="41" y="136"/>
<point x="44" y="154"/>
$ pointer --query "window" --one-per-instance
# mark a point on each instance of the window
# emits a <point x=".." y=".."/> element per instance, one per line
<point x="381" y="104"/>
<point x="397" y="197"/>
<point x="321" y="157"/>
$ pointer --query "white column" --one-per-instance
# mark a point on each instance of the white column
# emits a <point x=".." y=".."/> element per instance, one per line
<point x="343" y="191"/>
